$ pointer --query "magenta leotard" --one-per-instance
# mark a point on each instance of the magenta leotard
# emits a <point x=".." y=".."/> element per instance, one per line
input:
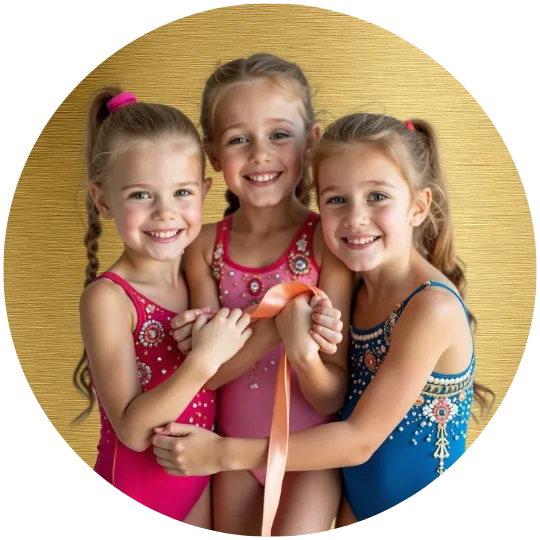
<point x="138" y="474"/>
<point x="246" y="404"/>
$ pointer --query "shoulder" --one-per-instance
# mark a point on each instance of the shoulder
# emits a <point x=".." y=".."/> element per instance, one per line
<point x="434" y="310"/>
<point x="104" y="296"/>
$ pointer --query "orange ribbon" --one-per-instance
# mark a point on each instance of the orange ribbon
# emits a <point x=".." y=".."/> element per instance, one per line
<point x="271" y="305"/>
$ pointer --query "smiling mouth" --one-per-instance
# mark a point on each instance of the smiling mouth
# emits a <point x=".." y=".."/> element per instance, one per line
<point x="355" y="242"/>
<point x="263" y="178"/>
<point x="165" y="235"/>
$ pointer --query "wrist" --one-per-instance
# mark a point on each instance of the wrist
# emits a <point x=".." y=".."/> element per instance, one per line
<point x="227" y="460"/>
<point x="195" y="360"/>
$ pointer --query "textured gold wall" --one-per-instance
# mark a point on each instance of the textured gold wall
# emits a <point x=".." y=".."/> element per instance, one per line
<point x="354" y="66"/>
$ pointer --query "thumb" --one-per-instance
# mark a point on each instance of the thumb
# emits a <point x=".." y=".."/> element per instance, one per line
<point x="172" y="429"/>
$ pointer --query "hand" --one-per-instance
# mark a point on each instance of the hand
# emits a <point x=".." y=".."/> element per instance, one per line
<point x="182" y="325"/>
<point x="186" y="450"/>
<point x="327" y="324"/>
<point x="294" y="323"/>
<point x="220" y="339"/>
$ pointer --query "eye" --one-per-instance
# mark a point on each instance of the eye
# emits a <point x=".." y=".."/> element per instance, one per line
<point x="377" y="197"/>
<point x="139" y="195"/>
<point x="280" y="135"/>
<point x="238" y="140"/>
<point x="338" y="199"/>
<point x="182" y="193"/>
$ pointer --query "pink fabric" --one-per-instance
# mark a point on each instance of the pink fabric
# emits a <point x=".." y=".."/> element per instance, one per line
<point x="246" y="404"/>
<point x="138" y="474"/>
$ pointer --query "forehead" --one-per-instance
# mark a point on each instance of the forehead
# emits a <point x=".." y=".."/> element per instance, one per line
<point x="260" y="100"/>
<point x="162" y="159"/>
<point x="358" y="164"/>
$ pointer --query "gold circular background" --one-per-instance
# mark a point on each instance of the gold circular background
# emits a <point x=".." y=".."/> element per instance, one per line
<point x="353" y="66"/>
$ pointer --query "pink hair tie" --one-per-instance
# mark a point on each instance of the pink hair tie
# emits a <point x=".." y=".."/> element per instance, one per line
<point x="121" y="100"/>
<point x="409" y="125"/>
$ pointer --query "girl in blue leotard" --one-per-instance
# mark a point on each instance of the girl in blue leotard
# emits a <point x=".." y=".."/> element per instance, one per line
<point x="385" y="214"/>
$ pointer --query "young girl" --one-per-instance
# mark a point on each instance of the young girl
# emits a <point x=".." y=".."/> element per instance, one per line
<point x="385" y="214"/>
<point x="259" y="128"/>
<point x="146" y="171"/>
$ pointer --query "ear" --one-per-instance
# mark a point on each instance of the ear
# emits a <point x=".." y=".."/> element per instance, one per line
<point x="100" y="200"/>
<point x="420" y="210"/>
<point x="313" y="137"/>
<point x="212" y="156"/>
<point x="207" y="184"/>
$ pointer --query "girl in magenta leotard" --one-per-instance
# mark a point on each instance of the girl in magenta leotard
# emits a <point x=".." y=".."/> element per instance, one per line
<point x="259" y="130"/>
<point x="146" y="171"/>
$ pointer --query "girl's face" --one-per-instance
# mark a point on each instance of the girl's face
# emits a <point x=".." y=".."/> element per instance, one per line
<point x="259" y="141"/>
<point x="155" y="196"/>
<point x="367" y="210"/>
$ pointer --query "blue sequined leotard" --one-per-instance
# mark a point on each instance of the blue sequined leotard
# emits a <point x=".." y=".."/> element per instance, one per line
<point x="429" y="439"/>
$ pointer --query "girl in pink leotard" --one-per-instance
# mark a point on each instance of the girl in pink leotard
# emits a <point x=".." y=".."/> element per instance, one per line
<point x="146" y="171"/>
<point x="259" y="129"/>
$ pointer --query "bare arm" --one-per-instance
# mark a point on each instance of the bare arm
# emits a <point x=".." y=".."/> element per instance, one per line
<point x="203" y="292"/>
<point x="419" y="340"/>
<point x="107" y="322"/>
<point x="323" y="378"/>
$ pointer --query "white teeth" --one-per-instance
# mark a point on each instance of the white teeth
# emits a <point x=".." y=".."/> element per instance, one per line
<point x="361" y="240"/>
<point x="262" y="177"/>
<point x="163" y="234"/>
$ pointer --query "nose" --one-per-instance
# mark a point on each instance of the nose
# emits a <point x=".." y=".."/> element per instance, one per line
<point x="357" y="216"/>
<point x="164" y="210"/>
<point x="260" y="152"/>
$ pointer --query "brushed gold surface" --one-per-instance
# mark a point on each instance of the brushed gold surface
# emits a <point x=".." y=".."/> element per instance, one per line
<point x="353" y="66"/>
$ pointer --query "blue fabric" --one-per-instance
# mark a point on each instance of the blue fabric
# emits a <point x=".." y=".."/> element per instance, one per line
<point x="429" y="439"/>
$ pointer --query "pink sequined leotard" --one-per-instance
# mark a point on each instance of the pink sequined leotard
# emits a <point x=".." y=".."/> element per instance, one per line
<point x="246" y="404"/>
<point x="138" y="474"/>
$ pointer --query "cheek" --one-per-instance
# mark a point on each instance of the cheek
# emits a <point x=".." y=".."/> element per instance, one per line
<point x="330" y="224"/>
<point x="192" y="213"/>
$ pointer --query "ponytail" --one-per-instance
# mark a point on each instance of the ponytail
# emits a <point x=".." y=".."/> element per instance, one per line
<point x="437" y="238"/>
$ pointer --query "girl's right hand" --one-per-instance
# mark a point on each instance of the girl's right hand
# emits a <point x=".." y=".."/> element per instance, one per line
<point x="182" y="325"/>
<point x="218" y="340"/>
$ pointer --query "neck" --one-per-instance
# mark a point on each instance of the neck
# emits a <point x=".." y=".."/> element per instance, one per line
<point x="269" y="218"/>
<point x="394" y="278"/>
<point x="146" y="270"/>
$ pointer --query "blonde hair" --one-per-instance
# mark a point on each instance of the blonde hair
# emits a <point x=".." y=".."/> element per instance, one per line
<point x="257" y="66"/>
<point x="108" y="136"/>
<point x="412" y="146"/>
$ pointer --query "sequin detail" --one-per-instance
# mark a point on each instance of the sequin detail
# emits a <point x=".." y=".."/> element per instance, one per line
<point x="441" y="412"/>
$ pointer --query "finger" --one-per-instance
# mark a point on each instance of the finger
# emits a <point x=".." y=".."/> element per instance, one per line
<point x="235" y="314"/>
<point x="185" y="346"/>
<point x="322" y="302"/>
<point x="328" y="335"/>
<point x="166" y="463"/>
<point x="165" y="438"/>
<point x="200" y="322"/>
<point x="223" y="313"/>
<point x="324" y="346"/>
<point x="247" y="333"/>
<point x="329" y="311"/>
<point x="183" y="333"/>
<point x="328" y="322"/>
<point x="186" y="317"/>
<point x="162" y="453"/>
<point x="244" y="321"/>
<point x="174" y="472"/>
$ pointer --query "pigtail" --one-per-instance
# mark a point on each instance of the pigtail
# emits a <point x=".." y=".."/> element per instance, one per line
<point x="303" y="188"/>
<point x="97" y="114"/>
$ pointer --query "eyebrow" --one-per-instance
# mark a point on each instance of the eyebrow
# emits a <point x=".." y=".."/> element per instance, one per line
<point x="269" y="121"/>
<point x="381" y="183"/>
<point x="148" y="186"/>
